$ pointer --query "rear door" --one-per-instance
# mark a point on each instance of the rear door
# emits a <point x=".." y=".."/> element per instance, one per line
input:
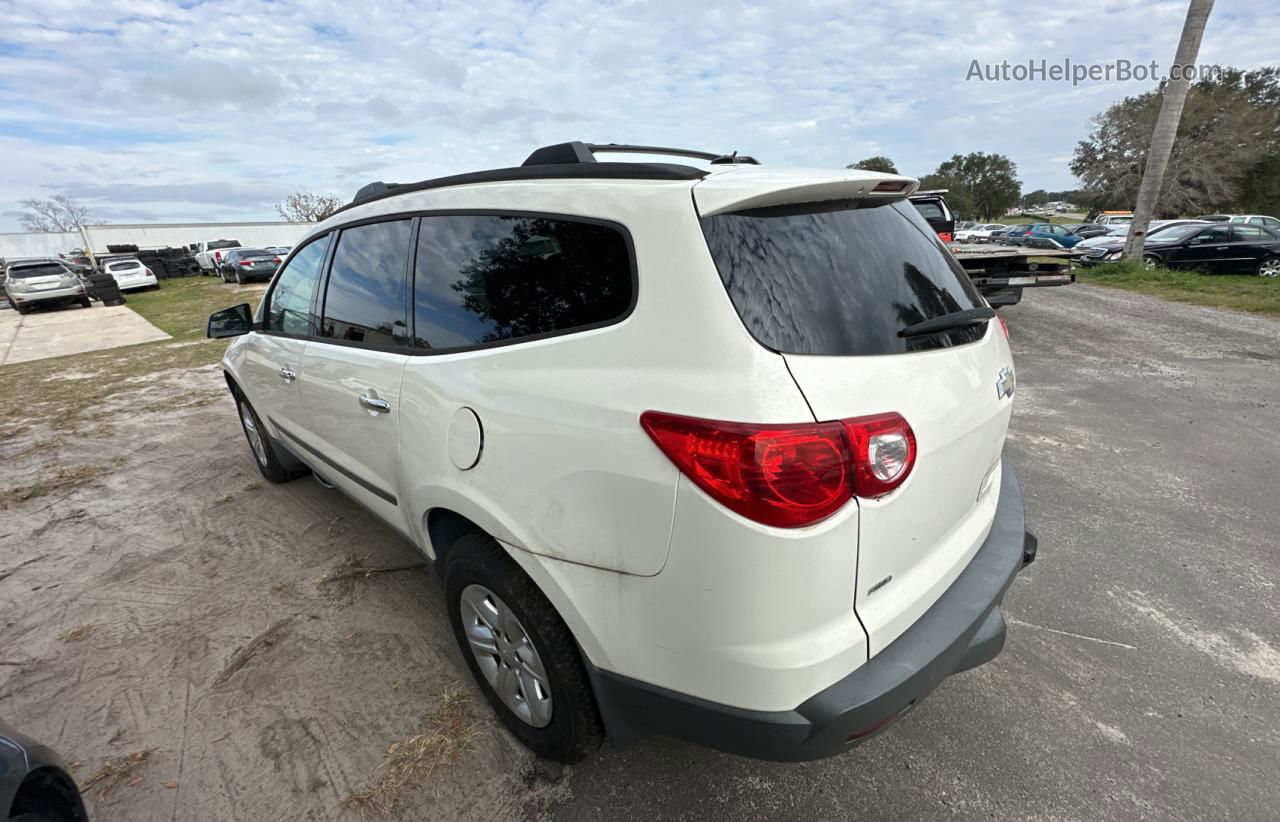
<point x="1249" y="244"/>
<point x="273" y="356"/>
<point x="350" y="382"/>
<point x="830" y="288"/>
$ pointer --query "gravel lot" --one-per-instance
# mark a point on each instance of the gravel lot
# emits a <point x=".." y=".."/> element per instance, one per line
<point x="1141" y="678"/>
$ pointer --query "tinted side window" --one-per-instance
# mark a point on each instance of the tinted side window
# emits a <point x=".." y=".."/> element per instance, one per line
<point x="365" y="298"/>
<point x="1249" y="234"/>
<point x="289" y="306"/>
<point x="1217" y="234"/>
<point x="485" y="278"/>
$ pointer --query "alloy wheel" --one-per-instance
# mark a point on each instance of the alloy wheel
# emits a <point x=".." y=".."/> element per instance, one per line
<point x="252" y="432"/>
<point x="1269" y="268"/>
<point x="506" y="655"/>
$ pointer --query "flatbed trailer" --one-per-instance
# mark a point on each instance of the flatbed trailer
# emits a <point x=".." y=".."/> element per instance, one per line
<point x="1001" y="272"/>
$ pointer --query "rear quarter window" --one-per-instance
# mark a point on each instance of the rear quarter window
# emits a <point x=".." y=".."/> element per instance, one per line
<point x="839" y="281"/>
<point x="488" y="279"/>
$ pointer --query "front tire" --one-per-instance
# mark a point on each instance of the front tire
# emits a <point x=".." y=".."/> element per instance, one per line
<point x="520" y="652"/>
<point x="1270" y="267"/>
<point x="260" y="445"/>
<point x="1150" y="261"/>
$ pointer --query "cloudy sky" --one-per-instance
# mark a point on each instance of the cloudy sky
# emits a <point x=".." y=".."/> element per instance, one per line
<point x="154" y="111"/>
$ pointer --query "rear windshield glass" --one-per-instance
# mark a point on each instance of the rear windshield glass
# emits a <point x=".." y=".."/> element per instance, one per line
<point x="36" y="271"/>
<point x="839" y="281"/>
<point x="254" y="252"/>
<point x="123" y="264"/>
<point x="930" y="211"/>
<point x="217" y="244"/>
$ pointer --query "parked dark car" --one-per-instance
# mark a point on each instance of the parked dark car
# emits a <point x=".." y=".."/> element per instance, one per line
<point x="35" y="785"/>
<point x="245" y="264"/>
<point x="1219" y="248"/>
<point x="1086" y="231"/>
<point x="1016" y="234"/>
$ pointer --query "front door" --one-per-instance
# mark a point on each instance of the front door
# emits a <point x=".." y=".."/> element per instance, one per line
<point x="350" y="378"/>
<point x="1204" y="250"/>
<point x="273" y="360"/>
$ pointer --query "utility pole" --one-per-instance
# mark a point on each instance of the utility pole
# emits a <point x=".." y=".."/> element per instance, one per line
<point x="88" y="247"/>
<point x="1175" y="96"/>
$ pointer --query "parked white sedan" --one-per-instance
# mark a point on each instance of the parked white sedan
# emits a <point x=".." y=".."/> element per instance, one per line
<point x="131" y="274"/>
<point x="980" y="233"/>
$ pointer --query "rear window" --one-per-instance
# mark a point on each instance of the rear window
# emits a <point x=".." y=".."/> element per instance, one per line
<point x="36" y="271"/>
<point x="839" y="281"/>
<point x="120" y="265"/>
<point x="217" y="244"/>
<point x="931" y="211"/>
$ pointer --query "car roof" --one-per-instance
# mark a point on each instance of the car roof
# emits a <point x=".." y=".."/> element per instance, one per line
<point x="29" y="263"/>
<point x="729" y="182"/>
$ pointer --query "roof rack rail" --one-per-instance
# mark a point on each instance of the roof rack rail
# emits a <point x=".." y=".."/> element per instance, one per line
<point x="579" y="152"/>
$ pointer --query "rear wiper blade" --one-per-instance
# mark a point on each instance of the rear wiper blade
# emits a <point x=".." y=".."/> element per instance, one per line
<point x="956" y="319"/>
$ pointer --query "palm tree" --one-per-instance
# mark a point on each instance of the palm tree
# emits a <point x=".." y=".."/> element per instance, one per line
<point x="1175" y="95"/>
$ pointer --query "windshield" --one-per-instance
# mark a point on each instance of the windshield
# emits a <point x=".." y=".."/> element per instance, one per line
<point x="44" y="270"/>
<point x="839" y="281"/>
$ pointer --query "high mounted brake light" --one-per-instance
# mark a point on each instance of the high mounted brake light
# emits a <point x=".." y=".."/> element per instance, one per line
<point x="892" y="185"/>
<point x="787" y="476"/>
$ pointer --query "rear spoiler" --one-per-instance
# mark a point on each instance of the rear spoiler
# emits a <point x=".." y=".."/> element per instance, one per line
<point x="750" y="187"/>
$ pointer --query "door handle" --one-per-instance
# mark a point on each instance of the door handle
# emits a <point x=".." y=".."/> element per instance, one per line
<point x="1222" y="248"/>
<point x="373" y="404"/>
<point x="287" y="374"/>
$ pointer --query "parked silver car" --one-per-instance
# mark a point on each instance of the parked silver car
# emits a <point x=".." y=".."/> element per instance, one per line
<point x="32" y="283"/>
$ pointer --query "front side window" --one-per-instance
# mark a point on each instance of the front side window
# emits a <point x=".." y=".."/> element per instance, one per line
<point x="289" y="304"/>
<point x="487" y="278"/>
<point x="1217" y="234"/>
<point x="814" y="279"/>
<point x="365" y="299"/>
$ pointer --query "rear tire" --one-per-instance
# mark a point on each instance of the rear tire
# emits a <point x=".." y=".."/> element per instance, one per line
<point x="239" y="281"/>
<point x="260" y="445"/>
<point x="1270" y="267"/>
<point x="20" y="308"/>
<point x="84" y="302"/>
<point x="475" y="565"/>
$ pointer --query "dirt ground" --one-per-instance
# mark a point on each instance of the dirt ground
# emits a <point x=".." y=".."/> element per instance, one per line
<point x="158" y="597"/>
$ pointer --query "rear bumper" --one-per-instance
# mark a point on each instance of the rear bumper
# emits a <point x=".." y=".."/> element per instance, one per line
<point x="72" y="292"/>
<point x="963" y="629"/>
<point x="130" y="283"/>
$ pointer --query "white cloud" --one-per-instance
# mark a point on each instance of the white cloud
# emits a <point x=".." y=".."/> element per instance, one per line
<point x="215" y="110"/>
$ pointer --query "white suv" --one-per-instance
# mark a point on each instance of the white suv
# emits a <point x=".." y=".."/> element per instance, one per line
<point x="710" y="451"/>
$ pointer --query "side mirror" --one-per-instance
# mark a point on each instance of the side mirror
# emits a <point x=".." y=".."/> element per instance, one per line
<point x="230" y="322"/>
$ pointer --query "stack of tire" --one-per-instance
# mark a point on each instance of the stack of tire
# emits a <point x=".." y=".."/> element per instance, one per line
<point x="105" y="289"/>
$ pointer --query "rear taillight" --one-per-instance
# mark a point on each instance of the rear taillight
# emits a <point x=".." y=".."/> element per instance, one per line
<point x="945" y="236"/>
<point x="275" y="261"/>
<point x="245" y="262"/>
<point x="217" y="255"/>
<point x="883" y="448"/>
<point x="150" y="273"/>
<point x="787" y="475"/>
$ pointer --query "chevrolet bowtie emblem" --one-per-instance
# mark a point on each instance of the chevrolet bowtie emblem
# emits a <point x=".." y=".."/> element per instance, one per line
<point x="1005" y="383"/>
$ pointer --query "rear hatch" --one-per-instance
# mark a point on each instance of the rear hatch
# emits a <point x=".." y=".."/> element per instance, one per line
<point x="829" y="286"/>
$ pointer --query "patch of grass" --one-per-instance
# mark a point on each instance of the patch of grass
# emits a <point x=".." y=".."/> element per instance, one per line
<point x="181" y="307"/>
<point x="1237" y="292"/>
<point x="76" y="634"/>
<point x="71" y="476"/>
<point x="118" y="770"/>
<point x="451" y="729"/>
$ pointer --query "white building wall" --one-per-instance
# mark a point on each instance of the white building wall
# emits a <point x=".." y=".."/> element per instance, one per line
<point x="19" y="246"/>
